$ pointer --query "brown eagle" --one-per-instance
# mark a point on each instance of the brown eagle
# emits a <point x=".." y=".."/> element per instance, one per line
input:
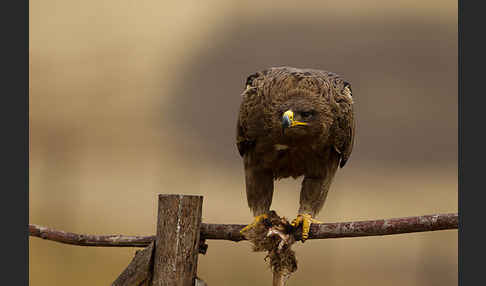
<point x="294" y="122"/>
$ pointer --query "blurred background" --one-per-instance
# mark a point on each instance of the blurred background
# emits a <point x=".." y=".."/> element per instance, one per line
<point x="129" y="99"/>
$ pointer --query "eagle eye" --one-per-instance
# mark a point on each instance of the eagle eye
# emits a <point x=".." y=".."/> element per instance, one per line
<point x="307" y="114"/>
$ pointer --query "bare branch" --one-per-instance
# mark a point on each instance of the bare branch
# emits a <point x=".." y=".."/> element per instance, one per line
<point x="114" y="240"/>
<point x="232" y="231"/>
<point x="349" y="229"/>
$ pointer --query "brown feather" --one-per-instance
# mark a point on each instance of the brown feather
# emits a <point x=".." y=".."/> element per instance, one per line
<point x="314" y="151"/>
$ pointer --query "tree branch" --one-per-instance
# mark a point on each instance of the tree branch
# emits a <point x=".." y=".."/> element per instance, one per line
<point x="115" y="240"/>
<point x="232" y="231"/>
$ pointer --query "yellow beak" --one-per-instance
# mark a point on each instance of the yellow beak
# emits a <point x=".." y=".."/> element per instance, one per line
<point x="288" y="120"/>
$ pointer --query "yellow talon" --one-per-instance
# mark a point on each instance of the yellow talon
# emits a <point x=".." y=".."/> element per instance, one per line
<point x="254" y="223"/>
<point x="305" y="220"/>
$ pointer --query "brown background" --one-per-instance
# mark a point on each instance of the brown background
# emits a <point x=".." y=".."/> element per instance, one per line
<point x="133" y="98"/>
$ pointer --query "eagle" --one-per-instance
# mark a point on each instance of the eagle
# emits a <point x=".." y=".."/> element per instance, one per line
<point x="295" y="123"/>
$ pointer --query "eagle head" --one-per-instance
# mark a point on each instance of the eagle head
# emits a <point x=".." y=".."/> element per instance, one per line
<point x="301" y="116"/>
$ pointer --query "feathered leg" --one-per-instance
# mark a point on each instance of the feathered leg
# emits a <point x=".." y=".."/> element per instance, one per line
<point x="312" y="197"/>
<point x="259" y="192"/>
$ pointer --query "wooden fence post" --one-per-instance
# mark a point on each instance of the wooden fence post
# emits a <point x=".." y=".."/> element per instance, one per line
<point x="177" y="240"/>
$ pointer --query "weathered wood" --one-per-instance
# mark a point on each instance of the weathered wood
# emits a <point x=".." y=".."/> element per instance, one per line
<point x="177" y="240"/>
<point x="200" y="282"/>
<point x="139" y="271"/>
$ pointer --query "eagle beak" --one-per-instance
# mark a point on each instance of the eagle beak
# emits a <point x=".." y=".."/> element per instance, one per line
<point x="288" y="120"/>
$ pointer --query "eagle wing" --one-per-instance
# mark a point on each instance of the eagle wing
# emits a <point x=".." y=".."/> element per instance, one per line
<point x="345" y="123"/>
<point x="243" y="142"/>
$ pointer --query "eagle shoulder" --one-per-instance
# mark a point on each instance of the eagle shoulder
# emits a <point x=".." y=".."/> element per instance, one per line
<point x="243" y="142"/>
<point x="345" y="124"/>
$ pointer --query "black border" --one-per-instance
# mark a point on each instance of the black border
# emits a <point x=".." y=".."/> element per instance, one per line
<point x="472" y="112"/>
<point x="15" y="141"/>
<point x="460" y="184"/>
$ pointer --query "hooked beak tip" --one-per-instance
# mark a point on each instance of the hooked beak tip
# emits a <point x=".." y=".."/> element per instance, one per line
<point x="286" y="123"/>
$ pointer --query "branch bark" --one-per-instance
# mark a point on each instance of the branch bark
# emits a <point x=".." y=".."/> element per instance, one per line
<point x="114" y="240"/>
<point x="232" y="231"/>
<point x="139" y="271"/>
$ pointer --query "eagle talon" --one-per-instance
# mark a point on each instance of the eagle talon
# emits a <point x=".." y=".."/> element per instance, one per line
<point x="305" y="220"/>
<point x="257" y="220"/>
